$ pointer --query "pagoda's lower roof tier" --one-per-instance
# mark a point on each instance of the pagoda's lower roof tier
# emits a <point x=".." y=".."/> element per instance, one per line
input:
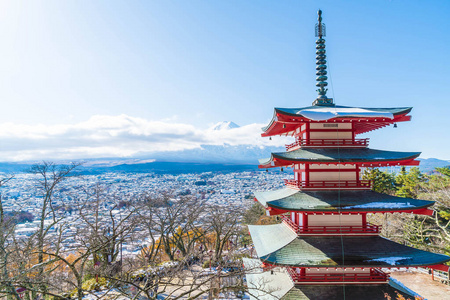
<point x="279" y="245"/>
<point x="286" y="199"/>
<point x="348" y="292"/>
<point x="364" y="157"/>
<point x="278" y="285"/>
<point x="286" y="120"/>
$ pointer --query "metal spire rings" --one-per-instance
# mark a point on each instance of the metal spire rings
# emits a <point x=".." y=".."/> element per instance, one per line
<point x="321" y="65"/>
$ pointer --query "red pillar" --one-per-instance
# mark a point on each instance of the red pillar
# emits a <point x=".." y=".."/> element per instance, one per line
<point x="307" y="127"/>
<point x="306" y="174"/>
<point x="353" y="133"/>
<point x="358" y="170"/>
<point x="305" y="220"/>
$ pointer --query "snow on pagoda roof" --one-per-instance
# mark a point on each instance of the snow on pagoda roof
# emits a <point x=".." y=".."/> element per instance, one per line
<point x="338" y="251"/>
<point x="264" y="244"/>
<point x="333" y="201"/>
<point x="334" y="155"/>
<point x="322" y="113"/>
<point x="286" y="120"/>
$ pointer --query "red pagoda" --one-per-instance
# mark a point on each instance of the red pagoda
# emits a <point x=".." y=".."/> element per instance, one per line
<point x="325" y="248"/>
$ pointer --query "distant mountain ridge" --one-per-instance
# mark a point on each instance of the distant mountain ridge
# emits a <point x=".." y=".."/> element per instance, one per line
<point x="206" y="158"/>
<point x="242" y="154"/>
<point x="429" y="164"/>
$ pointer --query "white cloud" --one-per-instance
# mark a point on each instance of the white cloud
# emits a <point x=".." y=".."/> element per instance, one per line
<point x="117" y="136"/>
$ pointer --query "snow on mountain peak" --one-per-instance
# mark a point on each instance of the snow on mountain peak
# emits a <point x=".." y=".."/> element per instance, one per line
<point x="225" y="125"/>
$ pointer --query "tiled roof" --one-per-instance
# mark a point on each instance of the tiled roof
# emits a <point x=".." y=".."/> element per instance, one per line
<point x="265" y="285"/>
<point x="340" y="155"/>
<point x="392" y="110"/>
<point x="347" y="292"/>
<point x="334" y="251"/>
<point x="264" y="245"/>
<point x="339" y="113"/>
<point x="291" y="199"/>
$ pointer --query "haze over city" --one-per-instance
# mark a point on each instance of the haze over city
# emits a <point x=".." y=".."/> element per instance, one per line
<point x="92" y="79"/>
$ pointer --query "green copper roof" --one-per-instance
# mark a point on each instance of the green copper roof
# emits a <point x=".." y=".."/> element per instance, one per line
<point x="291" y="199"/>
<point x="337" y="251"/>
<point x="351" y="292"/>
<point x="340" y="155"/>
<point x="265" y="285"/>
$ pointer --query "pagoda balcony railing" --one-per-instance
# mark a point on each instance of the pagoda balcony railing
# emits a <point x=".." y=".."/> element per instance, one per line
<point x="373" y="276"/>
<point x="368" y="229"/>
<point x="357" y="143"/>
<point x="329" y="185"/>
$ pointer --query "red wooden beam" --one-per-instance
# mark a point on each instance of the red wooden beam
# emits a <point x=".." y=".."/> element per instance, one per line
<point x="440" y="267"/>
<point x="421" y="211"/>
<point x="282" y="123"/>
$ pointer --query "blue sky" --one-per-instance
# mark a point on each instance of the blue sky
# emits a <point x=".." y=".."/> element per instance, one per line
<point x="68" y="66"/>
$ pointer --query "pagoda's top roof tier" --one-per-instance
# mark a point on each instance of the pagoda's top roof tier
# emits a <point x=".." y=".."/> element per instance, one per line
<point x="287" y="199"/>
<point x="286" y="120"/>
<point x="279" y="245"/>
<point x="365" y="157"/>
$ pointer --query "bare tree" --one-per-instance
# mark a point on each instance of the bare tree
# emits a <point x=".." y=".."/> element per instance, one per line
<point x="96" y="239"/>
<point x="176" y="223"/>
<point x="7" y="231"/>
<point x="224" y="224"/>
<point x="32" y="266"/>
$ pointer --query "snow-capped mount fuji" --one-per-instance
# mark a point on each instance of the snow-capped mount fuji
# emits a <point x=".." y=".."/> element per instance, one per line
<point x="230" y="154"/>
<point x="225" y="125"/>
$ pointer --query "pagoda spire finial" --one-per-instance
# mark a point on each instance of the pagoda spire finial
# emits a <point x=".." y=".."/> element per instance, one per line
<point x="321" y="65"/>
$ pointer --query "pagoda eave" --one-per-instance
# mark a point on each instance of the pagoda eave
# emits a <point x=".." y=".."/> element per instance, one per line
<point x="278" y="284"/>
<point x="275" y="162"/>
<point x="339" y="202"/>
<point x="285" y="248"/>
<point x="285" y="124"/>
<point x="273" y="211"/>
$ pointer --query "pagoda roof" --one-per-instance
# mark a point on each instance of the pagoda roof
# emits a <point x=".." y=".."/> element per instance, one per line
<point x="335" y="251"/>
<point x="364" y="156"/>
<point x="287" y="199"/>
<point x="286" y="120"/>
<point x="320" y="113"/>
<point x="267" y="285"/>
<point x="348" y="292"/>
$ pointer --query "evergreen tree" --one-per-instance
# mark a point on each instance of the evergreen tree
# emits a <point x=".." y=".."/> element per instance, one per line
<point x="408" y="183"/>
<point x="444" y="171"/>
<point x="382" y="182"/>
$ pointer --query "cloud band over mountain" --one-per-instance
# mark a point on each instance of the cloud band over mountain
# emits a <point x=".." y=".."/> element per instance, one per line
<point x="118" y="136"/>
